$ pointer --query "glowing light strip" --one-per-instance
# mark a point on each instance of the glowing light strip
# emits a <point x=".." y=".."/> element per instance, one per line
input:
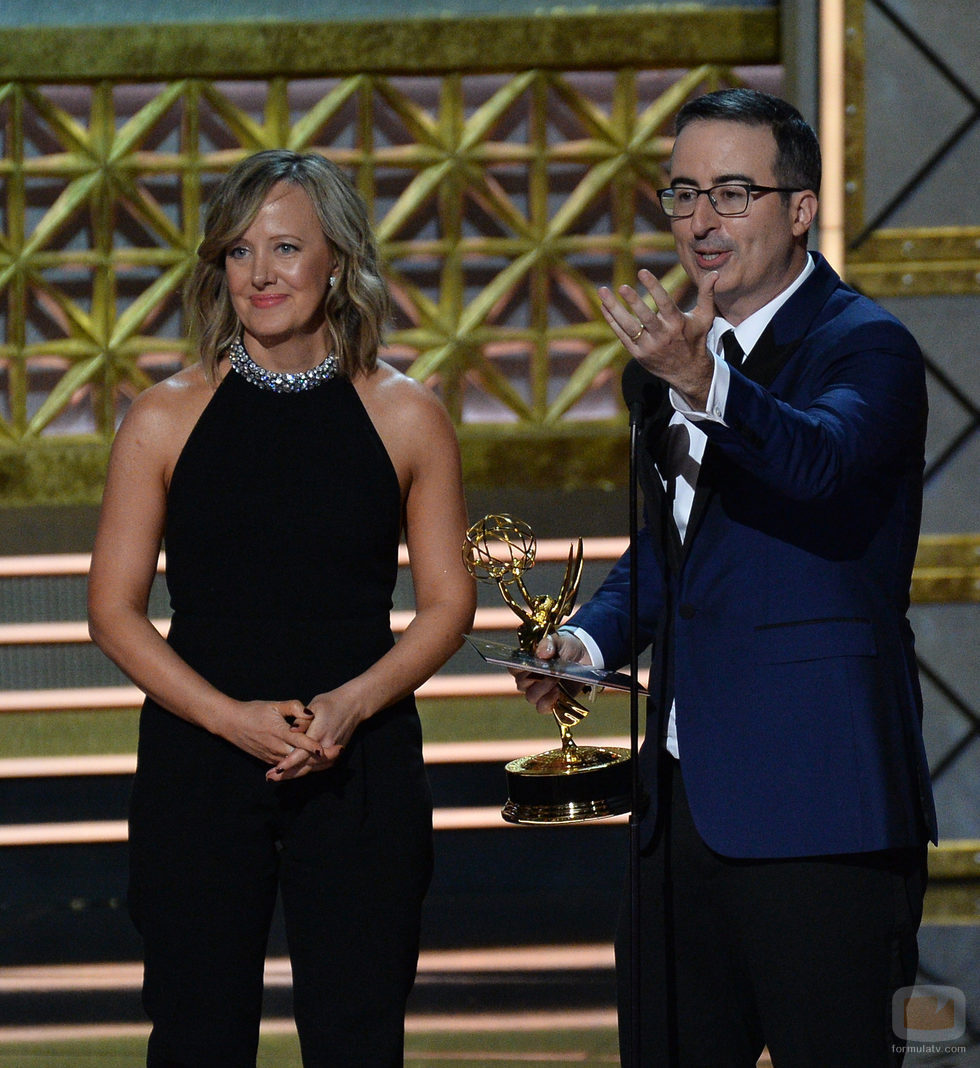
<point x="548" y="550"/>
<point x="504" y="749"/>
<point x="70" y="700"/>
<point x="442" y="1023"/>
<point x="559" y="1020"/>
<point x="55" y="767"/>
<point x="95" y="698"/>
<point x="81" y="832"/>
<point x="832" y="103"/>
<point x="125" y="763"/>
<point x="128" y="975"/>
<point x="91" y="832"/>
<point x="53" y="564"/>
<point x="76" y="631"/>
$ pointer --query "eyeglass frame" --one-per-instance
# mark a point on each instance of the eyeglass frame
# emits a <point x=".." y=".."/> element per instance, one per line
<point x="749" y="188"/>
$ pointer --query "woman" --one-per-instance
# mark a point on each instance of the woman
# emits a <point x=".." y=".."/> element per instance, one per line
<point x="280" y="748"/>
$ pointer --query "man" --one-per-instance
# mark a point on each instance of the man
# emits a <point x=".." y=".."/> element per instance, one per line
<point x="782" y="849"/>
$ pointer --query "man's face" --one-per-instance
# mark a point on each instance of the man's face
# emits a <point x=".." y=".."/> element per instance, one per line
<point x="757" y="254"/>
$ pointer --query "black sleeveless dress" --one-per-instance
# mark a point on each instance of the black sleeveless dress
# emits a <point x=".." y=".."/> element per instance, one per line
<point x="282" y="534"/>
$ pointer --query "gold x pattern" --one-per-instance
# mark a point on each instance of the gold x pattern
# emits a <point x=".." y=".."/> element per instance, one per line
<point x="884" y="260"/>
<point x="499" y="202"/>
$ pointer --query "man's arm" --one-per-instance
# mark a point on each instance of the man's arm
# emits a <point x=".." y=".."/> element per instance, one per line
<point x="866" y="414"/>
<point x="606" y="617"/>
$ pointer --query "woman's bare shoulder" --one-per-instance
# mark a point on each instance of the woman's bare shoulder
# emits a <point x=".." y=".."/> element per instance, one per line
<point x="182" y="394"/>
<point x="410" y="419"/>
<point x="397" y="396"/>
<point x="162" y="417"/>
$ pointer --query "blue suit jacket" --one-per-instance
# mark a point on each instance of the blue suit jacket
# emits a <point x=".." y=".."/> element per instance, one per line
<point x="781" y="626"/>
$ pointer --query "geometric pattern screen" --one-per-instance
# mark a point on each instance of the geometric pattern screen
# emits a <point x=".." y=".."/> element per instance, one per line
<point x="499" y="201"/>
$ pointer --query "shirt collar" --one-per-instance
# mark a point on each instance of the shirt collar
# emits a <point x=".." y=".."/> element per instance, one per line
<point x="749" y="330"/>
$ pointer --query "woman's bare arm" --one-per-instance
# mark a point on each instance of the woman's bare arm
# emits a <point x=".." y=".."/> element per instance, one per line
<point x="124" y="562"/>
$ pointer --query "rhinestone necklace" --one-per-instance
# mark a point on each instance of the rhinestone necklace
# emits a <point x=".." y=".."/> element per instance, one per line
<point x="280" y="381"/>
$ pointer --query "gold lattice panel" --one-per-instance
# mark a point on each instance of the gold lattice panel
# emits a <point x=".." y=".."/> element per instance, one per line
<point x="501" y="200"/>
<point x="499" y="203"/>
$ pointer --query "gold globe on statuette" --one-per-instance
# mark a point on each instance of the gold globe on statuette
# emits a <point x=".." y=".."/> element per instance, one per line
<point x="575" y="782"/>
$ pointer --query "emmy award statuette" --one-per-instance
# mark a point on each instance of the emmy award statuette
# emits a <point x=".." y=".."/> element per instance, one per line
<point x="575" y="782"/>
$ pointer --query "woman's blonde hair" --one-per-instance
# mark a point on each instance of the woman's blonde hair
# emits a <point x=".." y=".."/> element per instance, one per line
<point x="358" y="305"/>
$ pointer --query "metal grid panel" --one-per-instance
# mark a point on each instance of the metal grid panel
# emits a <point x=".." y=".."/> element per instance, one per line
<point x="500" y="203"/>
<point x="913" y="124"/>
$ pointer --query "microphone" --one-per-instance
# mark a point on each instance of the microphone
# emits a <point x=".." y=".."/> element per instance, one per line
<point x="641" y="390"/>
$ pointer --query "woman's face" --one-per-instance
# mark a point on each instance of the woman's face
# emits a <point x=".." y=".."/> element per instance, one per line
<point x="278" y="270"/>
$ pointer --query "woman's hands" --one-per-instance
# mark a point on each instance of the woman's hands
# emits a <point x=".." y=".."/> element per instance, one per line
<point x="264" y="729"/>
<point x="317" y="735"/>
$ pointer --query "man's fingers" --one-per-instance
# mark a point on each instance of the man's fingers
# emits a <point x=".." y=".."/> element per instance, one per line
<point x="546" y="648"/>
<point x="704" y="310"/>
<point x="665" y="306"/>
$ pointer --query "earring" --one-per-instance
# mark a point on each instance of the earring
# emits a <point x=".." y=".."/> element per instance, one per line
<point x="333" y="280"/>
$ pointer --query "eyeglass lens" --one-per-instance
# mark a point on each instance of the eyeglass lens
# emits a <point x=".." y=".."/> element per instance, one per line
<point x="725" y="199"/>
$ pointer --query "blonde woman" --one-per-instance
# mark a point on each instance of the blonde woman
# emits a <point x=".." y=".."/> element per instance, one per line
<point x="280" y="747"/>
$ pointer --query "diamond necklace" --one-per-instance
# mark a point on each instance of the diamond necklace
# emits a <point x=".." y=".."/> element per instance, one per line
<point x="280" y="381"/>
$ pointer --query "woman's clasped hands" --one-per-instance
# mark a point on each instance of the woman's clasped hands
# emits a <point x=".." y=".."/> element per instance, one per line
<point x="315" y="737"/>
<point x="279" y="733"/>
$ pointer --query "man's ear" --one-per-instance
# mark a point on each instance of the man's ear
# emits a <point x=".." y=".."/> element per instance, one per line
<point x="804" y="207"/>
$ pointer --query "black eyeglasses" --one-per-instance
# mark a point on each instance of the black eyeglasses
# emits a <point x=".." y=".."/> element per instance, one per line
<point x="729" y="198"/>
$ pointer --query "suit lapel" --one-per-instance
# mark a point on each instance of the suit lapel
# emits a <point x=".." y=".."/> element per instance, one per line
<point x="762" y="365"/>
<point x="767" y="359"/>
<point x="770" y="354"/>
<point x="702" y="492"/>
<point x="784" y="335"/>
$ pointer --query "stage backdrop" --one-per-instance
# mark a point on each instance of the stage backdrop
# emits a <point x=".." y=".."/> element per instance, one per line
<point x="510" y="162"/>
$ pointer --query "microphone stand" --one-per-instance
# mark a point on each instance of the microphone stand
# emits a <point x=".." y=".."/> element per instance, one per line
<point x="636" y="415"/>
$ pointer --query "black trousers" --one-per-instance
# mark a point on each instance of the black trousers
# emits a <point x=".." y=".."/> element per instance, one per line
<point x="802" y="956"/>
<point x="211" y="845"/>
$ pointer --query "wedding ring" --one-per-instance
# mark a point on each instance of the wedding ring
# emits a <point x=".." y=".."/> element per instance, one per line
<point x="636" y="337"/>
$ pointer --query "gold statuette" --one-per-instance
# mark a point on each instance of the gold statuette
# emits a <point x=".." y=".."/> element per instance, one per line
<point x="575" y="782"/>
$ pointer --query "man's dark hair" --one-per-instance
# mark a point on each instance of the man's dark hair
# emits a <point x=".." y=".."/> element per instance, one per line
<point x="797" y="149"/>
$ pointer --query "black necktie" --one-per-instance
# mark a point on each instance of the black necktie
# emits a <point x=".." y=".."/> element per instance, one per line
<point x="732" y="349"/>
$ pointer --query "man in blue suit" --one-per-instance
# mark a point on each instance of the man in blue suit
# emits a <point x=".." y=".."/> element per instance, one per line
<point x="783" y="845"/>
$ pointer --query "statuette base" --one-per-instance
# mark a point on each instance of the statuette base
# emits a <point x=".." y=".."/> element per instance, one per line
<point x="569" y="785"/>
